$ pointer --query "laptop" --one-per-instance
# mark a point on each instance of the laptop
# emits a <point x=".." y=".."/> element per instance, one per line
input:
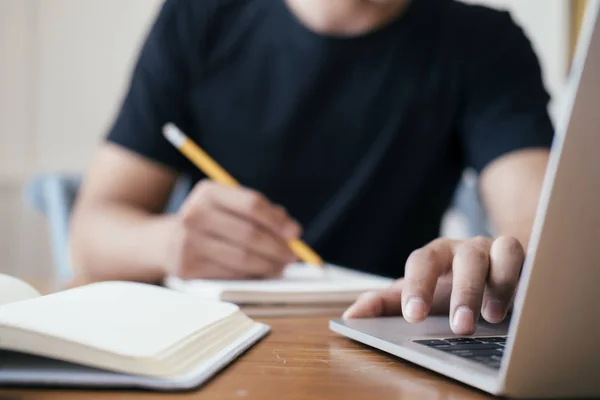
<point x="550" y="344"/>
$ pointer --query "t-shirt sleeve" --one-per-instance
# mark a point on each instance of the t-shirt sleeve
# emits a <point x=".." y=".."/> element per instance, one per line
<point x="158" y="88"/>
<point x="505" y="104"/>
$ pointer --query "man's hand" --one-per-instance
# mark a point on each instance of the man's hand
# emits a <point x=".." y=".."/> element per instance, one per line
<point x="230" y="233"/>
<point x="463" y="278"/>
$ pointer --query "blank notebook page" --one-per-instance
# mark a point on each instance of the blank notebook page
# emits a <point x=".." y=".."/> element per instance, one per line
<point x="12" y="289"/>
<point x="127" y="318"/>
<point x="298" y="278"/>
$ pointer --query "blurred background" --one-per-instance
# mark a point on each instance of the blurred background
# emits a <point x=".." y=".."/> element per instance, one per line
<point x="64" y="66"/>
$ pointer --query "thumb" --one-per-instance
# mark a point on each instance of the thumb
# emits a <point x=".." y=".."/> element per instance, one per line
<point x="376" y="304"/>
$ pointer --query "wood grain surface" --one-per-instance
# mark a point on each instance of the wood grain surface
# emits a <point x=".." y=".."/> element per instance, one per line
<point x="300" y="359"/>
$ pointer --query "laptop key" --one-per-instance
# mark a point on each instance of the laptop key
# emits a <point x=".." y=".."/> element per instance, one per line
<point x="472" y="346"/>
<point x="471" y="353"/>
<point x="487" y="351"/>
<point x="432" y="343"/>
<point x="495" y="339"/>
<point x="462" y="340"/>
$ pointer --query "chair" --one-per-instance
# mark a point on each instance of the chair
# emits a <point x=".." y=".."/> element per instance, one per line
<point x="468" y="203"/>
<point x="53" y="195"/>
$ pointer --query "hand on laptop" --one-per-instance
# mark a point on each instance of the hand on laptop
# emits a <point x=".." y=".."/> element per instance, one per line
<point x="465" y="278"/>
<point x="224" y="232"/>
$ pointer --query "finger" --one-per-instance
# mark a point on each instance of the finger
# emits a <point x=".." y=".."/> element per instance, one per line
<point x="506" y="260"/>
<point x="422" y="271"/>
<point x="376" y="304"/>
<point x="255" y="207"/>
<point x="469" y="269"/>
<point x="239" y="259"/>
<point x="191" y="263"/>
<point x="245" y="234"/>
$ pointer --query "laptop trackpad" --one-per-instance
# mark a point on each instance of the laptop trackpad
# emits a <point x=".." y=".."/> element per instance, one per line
<point x="397" y="330"/>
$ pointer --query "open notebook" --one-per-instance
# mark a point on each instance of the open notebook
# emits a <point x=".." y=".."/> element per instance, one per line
<point x="300" y="290"/>
<point x="118" y="335"/>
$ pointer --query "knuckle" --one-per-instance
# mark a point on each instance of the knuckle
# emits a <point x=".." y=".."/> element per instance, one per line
<point x="480" y="242"/>
<point x="438" y="242"/>
<point x="255" y="201"/>
<point x="280" y="216"/>
<point x="420" y="287"/>
<point x="187" y="217"/>
<point x="204" y="185"/>
<point x="282" y="212"/>
<point x="194" y="207"/>
<point x="201" y="190"/>
<point x="416" y="283"/>
<point x="469" y="291"/>
<point x="474" y="254"/>
<point x="509" y="245"/>
<point x="421" y="258"/>
<point x="249" y="234"/>
<point x="244" y="257"/>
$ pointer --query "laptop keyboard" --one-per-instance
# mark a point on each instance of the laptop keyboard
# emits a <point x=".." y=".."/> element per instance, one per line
<point x="485" y="350"/>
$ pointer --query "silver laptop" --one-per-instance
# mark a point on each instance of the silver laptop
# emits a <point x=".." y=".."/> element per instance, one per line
<point x="550" y="346"/>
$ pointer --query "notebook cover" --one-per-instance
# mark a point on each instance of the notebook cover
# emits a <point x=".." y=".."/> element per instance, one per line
<point x="18" y="370"/>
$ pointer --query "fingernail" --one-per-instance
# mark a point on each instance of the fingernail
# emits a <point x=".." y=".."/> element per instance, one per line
<point x="415" y="309"/>
<point x="463" y="320"/>
<point x="494" y="311"/>
<point x="349" y="311"/>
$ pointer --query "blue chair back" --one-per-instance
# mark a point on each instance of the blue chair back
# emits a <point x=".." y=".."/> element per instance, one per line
<point x="54" y="194"/>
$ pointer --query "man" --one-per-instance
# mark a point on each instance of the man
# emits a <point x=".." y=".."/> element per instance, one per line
<point x="348" y="122"/>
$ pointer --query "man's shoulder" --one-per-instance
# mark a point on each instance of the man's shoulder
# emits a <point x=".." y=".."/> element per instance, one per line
<point x="479" y="29"/>
<point x="218" y="16"/>
<point x="206" y="25"/>
<point x="475" y="13"/>
<point x="208" y="7"/>
<point x="472" y="21"/>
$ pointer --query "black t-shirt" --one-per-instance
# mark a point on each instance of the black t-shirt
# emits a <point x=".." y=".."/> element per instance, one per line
<point x="362" y="139"/>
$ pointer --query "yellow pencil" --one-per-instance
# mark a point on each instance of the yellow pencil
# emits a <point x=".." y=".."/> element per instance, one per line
<point x="214" y="171"/>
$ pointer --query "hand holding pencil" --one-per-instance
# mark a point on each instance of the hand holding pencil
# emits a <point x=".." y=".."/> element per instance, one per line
<point x="228" y="231"/>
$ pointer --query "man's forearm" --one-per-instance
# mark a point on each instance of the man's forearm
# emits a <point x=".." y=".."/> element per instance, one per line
<point x="511" y="190"/>
<point x="116" y="242"/>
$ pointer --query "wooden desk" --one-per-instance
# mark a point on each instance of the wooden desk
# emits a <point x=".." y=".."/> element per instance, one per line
<point x="300" y="359"/>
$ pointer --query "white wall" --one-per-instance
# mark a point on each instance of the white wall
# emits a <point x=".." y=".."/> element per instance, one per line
<point x="86" y="50"/>
<point x="17" y="85"/>
<point x="547" y="24"/>
<point x="65" y="63"/>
